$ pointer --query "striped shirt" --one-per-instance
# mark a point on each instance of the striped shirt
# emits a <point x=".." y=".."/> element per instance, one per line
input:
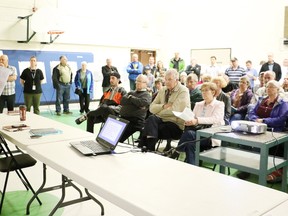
<point x="9" y="88"/>
<point x="234" y="75"/>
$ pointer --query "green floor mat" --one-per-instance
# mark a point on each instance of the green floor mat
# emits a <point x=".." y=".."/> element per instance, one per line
<point x="15" y="204"/>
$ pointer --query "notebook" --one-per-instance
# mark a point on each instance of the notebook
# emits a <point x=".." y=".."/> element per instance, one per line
<point x="107" y="139"/>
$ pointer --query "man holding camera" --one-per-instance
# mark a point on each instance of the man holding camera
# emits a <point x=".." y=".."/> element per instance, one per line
<point x="109" y="103"/>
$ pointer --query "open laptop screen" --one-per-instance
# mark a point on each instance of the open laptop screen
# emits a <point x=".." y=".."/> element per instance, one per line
<point x="112" y="131"/>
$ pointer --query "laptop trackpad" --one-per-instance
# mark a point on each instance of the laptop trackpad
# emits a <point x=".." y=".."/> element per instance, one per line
<point x="84" y="150"/>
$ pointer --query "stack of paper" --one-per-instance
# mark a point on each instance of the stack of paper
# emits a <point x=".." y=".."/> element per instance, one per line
<point x="186" y="115"/>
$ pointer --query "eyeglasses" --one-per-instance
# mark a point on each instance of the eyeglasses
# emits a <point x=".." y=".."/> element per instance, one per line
<point x="139" y="81"/>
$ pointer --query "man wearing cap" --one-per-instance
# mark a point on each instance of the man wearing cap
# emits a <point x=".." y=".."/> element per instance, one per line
<point x="235" y="72"/>
<point x="134" y="69"/>
<point x="109" y="103"/>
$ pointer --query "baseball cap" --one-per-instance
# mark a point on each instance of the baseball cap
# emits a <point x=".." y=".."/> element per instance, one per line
<point x="147" y="67"/>
<point x="117" y="75"/>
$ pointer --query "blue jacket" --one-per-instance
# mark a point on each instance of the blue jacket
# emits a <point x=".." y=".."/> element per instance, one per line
<point x="89" y="81"/>
<point x="278" y="116"/>
<point x="134" y="72"/>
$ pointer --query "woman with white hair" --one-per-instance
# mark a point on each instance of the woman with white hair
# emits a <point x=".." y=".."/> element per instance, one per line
<point x="271" y="110"/>
<point x="84" y="86"/>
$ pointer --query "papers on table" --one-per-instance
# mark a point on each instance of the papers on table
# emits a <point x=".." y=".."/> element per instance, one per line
<point x="4" y="77"/>
<point x="186" y="115"/>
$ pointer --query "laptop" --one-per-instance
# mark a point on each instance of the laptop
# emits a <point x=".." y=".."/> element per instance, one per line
<point x="106" y="140"/>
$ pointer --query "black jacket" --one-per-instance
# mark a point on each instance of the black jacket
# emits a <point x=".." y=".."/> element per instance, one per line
<point x="276" y="68"/>
<point x="106" y="71"/>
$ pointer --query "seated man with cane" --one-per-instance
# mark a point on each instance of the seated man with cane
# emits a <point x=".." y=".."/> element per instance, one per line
<point x="134" y="107"/>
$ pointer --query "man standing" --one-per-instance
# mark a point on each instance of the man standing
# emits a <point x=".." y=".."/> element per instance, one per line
<point x="194" y="68"/>
<point x="152" y="65"/>
<point x="134" y="69"/>
<point x="213" y="70"/>
<point x="8" y="94"/>
<point x="272" y="66"/>
<point x="106" y="71"/>
<point x="177" y="63"/>
<point x="135" y="105"/>
<point x="62" y="80"/>
<point x="109" y="103"/>
<point x="163" y="123"/>
<point x="235" y="72"/>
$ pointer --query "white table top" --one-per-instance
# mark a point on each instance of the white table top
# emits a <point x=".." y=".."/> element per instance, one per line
<point x="149" y="184"/>
<point x="280" y="210"/>
<point x="22" y="138"/>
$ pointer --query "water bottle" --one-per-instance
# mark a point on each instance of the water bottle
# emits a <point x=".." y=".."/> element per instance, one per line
<point x="81" y="119"/>
<point x="22" y="112"/>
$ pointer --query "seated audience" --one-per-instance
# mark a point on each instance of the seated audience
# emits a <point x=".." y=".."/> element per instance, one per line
<point x="210" y="111"/>
<point x="109" y="103"/>
<point x="134" y="106"/>
<point x="240" y="99"/>
<point x="163" y="124"/>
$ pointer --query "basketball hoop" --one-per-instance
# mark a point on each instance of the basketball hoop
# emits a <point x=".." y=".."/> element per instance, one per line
<point x="51" y="33"/>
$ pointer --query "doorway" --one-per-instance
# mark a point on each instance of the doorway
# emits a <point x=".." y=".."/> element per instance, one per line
<point x="143" y="55"/>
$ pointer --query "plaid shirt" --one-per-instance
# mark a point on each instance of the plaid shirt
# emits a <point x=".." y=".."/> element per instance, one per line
<point x="9" y="88"/>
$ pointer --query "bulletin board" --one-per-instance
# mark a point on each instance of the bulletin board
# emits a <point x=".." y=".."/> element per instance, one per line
<point x="46" y="61"/>
<point x="223" y="55"/>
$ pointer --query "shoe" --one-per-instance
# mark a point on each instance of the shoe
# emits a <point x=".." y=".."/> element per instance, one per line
<point x="81" y="111"/>
<point x="58" y="113"/>
<point x="243" y="175"/>
<point x="67" y="112"/>
<point x="174" y="155"/>
<point x="167" y="148"/>
<point x="275" y="177"/>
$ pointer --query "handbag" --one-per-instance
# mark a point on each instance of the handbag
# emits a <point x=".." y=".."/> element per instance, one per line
<point x="78" y="91"/>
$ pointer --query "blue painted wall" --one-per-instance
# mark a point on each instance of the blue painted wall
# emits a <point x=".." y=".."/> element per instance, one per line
<point x="47" y="59"/>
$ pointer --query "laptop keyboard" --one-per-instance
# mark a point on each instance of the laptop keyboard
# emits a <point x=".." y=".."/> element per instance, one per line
<point x="95" y="147"/>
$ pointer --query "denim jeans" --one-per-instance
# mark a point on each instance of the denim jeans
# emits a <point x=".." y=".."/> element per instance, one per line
<point x="132" y="84"/>
<point x="63" y="93"/>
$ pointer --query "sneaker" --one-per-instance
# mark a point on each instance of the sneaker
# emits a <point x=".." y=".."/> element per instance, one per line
<point x="243" y="175"/>
<point x="275" y="177"/>
<point x="58" y="113"/>
<point x="67" y="112"/>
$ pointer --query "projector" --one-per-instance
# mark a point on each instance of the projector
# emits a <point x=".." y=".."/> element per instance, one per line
<point x="248" y="127"/>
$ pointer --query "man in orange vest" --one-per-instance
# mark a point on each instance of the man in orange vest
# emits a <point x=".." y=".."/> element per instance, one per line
<point x="109" y="103"/>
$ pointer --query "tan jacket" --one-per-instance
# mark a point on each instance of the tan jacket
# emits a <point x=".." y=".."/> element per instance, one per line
<point x="180" y="100"/>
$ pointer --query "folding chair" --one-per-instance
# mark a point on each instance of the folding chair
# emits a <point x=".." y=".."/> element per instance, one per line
<point x="14" y="162"/>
